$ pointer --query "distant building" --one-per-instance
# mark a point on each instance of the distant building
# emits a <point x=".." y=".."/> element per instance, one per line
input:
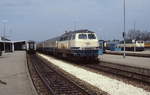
<point x="7" y="45"/>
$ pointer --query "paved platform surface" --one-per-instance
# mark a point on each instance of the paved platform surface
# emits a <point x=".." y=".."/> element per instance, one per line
<point x="140" y="62"/>
<point x="136" y="52"/>
<point x="14" y="78"/>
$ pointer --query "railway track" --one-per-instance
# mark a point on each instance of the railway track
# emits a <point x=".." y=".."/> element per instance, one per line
<point x="41" y="89"/>
<point x="130" y="54"/>
<point x="134" y="73"/>
<point x="56" y="84"/>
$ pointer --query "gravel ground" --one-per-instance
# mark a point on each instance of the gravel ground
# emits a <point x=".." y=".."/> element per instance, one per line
<point x="107" y="84"/>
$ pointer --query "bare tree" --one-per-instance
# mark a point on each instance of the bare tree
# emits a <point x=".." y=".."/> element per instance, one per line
<point x="138" y="35"/>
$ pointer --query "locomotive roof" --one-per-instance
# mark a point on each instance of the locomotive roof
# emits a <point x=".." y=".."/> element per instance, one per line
<point x="77" y="31"/>
<point x="82" y="31"/>
<point x="68" y="33"/>
<point x="54" y="39"/>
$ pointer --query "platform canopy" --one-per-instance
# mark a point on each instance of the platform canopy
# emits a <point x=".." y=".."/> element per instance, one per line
<point x="10" y="46"/>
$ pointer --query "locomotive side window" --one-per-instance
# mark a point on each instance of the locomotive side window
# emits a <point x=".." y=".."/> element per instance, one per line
<point x="61" y="39"/>
<point x="73" y="37"/>
<point x="66" y="38"/>
<point x="69" y="37"/>
<point x="91" y="36"/>
<point x="82" y="36"/>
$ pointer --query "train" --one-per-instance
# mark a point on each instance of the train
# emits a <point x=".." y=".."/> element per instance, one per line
<point x="101" y="47"/>
<point x="78" y="44"/>
<point x="112" y="45"/>
<point x="129" y="45"/>
<point x="147" y="45"/>
<point x="31" y="47"/>
<point x="132" y="45"/>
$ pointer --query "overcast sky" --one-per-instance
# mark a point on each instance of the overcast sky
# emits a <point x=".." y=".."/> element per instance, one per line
<point x="43" y="19"/>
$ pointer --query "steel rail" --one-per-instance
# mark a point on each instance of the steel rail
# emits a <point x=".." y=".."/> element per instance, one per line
<point x="121" y="72"/>
<point x="47" y="79"/>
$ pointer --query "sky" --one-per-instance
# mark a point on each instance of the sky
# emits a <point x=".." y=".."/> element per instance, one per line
<point x="44" y="19"/>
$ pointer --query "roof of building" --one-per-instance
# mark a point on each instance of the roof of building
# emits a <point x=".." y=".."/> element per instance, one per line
<point x="4" y="39"/>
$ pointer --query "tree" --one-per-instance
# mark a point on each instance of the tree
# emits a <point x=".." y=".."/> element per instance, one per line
<point x="138" y="35"/>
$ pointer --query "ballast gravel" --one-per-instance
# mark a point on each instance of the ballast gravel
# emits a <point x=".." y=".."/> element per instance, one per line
<point x="111" y="86"/>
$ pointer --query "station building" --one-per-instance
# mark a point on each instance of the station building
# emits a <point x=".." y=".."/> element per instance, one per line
<point x="7" y="45"/>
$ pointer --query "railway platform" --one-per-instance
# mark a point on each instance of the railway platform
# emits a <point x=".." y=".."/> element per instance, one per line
<point x="139" y="62"/>
<point x="14" y="76"/>
<point x="145" y="53"/>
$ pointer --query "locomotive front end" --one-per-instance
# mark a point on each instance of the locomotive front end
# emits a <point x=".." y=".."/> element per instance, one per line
<point x="86" y="45"/>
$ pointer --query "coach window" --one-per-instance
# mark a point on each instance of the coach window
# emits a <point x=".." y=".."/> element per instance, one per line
<point x="82" y="36"/>
<point x="91" y="36"/>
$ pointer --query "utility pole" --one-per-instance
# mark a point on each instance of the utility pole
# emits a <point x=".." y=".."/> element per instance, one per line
<point x="2" y="30"/>
<point x="124" y="32"/>
<point x="134" y="26"/>
<point x="4" y="35"/>
<point x="134" y="39"/>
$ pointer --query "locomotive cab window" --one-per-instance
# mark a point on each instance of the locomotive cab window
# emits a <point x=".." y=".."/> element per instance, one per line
<point x="91" y="36"/>
<point x="82" y="36"/>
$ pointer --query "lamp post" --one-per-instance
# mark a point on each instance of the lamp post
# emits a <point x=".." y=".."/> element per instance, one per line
<point x="124" y="30"/>
<point x="134" y="39"/>
<point x="4" y="33"/>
